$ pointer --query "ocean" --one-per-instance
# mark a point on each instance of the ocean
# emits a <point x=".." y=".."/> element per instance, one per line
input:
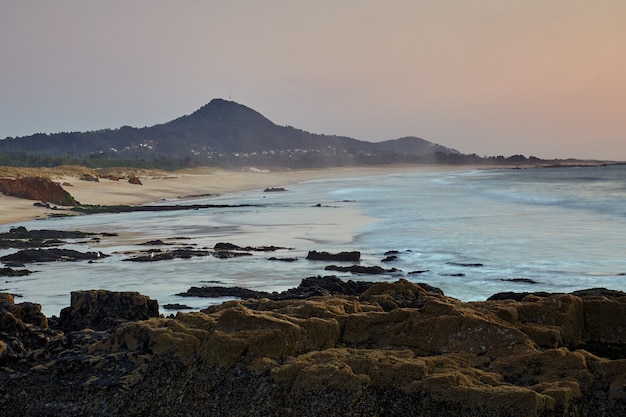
<point x="472" y="233"/>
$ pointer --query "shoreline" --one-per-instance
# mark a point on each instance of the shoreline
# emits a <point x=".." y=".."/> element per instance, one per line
<point x="189" y="184"/>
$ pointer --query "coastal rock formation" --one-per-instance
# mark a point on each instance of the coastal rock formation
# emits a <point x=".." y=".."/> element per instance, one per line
<point x="353" y="256"/>
<point x="360" y="269"/>
<point x="101" y="310"/>
<point x="51" y="255"/>
<point x="395" y="349"/>
<point x="37" y="188"/>
<point x="134" y="180"/>
<point x="309" y="287"/>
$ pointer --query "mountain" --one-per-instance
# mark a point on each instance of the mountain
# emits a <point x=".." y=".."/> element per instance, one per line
<point x="220" y="129"/>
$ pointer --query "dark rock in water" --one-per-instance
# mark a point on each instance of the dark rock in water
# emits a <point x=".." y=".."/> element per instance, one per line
<point x="10" y="272"/>
<point x="51" y="255"/>
<point x="156" y="242"/>
<point x="522" y="280"/>
<point x="37" y="188"/>
<point x="176" y="306"/>
<point x="100" y="310"/>
<point x="457" y="275"/>
<point x="359" y="269"/>
<point x="390" y="258"/>
<point x="392" y="252"/>
<point x="517" y="296"/>
<point x="422" y="271"/>
<point x="20" y="237"/>
<point x="274" y="190"/>
<point x="230" y="254"/>
<point x="466" y="265"/>
<point x="309" y="287"/>
<point x="327" y="285"/>
<point x="353" y="256"/>
<point x="14" y="264"/>
<point x="225" y="246"/>
<point x="273" y="258"/>
<point x="599" y="292"/>
<point x="188" y="252"/>
<point x="215" y="292"/>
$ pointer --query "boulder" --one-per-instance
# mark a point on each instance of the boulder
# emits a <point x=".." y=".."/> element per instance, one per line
<point x="89" y="177"/>
<point x="134" y="180"/>
<point x="37" y="188"/>
<point x="99" y="309"/>
<point x="51" y="255"/>
<point x="354" y="256"/>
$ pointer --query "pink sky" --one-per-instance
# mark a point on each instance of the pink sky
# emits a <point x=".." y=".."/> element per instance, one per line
<point x="492" y="77"/>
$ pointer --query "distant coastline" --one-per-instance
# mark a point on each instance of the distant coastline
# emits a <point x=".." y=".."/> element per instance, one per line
<point x="104" y="187"/>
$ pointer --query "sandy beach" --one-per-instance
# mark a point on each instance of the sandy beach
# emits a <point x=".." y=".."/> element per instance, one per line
<point x="185" y="184"/>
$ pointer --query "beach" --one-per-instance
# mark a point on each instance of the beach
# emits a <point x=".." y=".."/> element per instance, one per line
<point x="185" y="184"/>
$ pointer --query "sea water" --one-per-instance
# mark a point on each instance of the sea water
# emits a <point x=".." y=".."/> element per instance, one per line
<point x="471" y="233"/>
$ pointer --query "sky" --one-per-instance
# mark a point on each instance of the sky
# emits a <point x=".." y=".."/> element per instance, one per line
<point x="544" y="78"/>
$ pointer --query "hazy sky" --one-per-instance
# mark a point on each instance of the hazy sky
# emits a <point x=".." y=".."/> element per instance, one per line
<point x="493" y="77"/>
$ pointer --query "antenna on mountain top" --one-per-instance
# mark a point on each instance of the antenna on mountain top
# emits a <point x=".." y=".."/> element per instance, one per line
<point x="229" y="96"/>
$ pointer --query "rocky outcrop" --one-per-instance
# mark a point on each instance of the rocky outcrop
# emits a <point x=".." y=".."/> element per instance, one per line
<point x="51" y="255"/>
<point x="395" y="349"/>
<point x="135" y="180"/>
<point x="37" y="188"/>
<point x="309" y="287"/>
<point x="89" y="177"/>
<point x="100" y="310"/>
<point x="361" y="269"/>
<point x="353" y="256"/>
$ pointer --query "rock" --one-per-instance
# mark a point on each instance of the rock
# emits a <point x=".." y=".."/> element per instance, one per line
<point x="134" y="180"/>
<point x="359" y="269"/>
<point x="214" y="292"/>
<point x="274" y="189"/>
<point x="20" y="237"/>
<point x="155" y="242"/>
<point x="37" y="188"/>
<point x="327" y="285"/>
<point x="51" y="255"/>
<point x="99" y="309"/>
<point x="430" y="355"/>
<point x="517" y="296"/>
<point x="309" y="287"/>
<point x="23" y="327"/>
<point x="599" y="292"/>
<point x="466" y="265"/>
<point x="273" y="258"/>
<point x="154" y="255"/>
<point x="354" y="256"/>
<point x="177" y="306"/>
<point x="224" y="246"/>
<point x="89" y="177"/>
<point x="521" y="280"/>
<point x="10" y="272"/>
<point x="422" y="271"/>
